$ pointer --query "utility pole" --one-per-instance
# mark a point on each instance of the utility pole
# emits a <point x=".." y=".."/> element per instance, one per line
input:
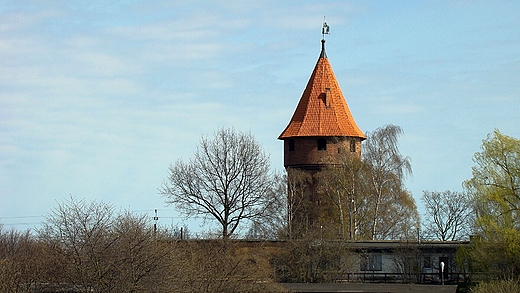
<point x="155" y="218"/>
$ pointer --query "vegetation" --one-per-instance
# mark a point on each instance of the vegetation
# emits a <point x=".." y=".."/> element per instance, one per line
<point x="86" y="247"/>
<point x="98" y="250"/>
<point x="273" y="224"/>
<point x="227" y="180"/>
<point x="499" y="286"/>
<point x="387" y="200"/>
<point x="343" y="191"/>
<point x="495" y="187"/>
<point x="359" y="198"/>
<point x="221" y="266"/>
<point x="313" y="260"/>
<point x="23" y="261"/>
<point x="449" y="215"/>
<point x="300" y="208"/>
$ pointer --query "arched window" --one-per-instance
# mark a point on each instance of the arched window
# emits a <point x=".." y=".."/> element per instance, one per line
<point x="352" y="146"/>
<point x="322" y="144"/>
<point x="291" y="145"/>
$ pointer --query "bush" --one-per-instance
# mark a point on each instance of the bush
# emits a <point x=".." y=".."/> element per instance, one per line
<point x="502" y="286"/>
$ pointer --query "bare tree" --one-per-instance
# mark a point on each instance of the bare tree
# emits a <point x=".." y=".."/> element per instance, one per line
<point x="348" y="193"/>
<point x="400" y="219"/>
<point x="78" y="231"/>
<point x="449" y="214"/>
<point x="274" y="223"/>
<point x="385" y="169"/>
<point x="341" y="185"/>
<point x="227" y="180"/>
<point x="140" y="253"/>
<point x="299" y="202"/>
<point x="21" y="261"/>
<point x="100" y="251"/>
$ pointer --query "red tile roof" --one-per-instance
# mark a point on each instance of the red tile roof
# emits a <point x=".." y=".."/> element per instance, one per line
<point x="314" y="116"/>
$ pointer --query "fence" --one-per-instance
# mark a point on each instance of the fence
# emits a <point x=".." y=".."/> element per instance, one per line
<point x="375" y="277"/>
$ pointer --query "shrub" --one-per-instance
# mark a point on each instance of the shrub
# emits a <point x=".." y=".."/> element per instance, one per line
<point x="501" y="286"/>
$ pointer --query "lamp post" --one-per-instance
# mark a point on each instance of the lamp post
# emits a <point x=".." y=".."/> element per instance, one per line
<point x="442" y="272"/>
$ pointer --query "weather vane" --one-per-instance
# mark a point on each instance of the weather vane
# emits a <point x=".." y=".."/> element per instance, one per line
<point x="325" y="29"/>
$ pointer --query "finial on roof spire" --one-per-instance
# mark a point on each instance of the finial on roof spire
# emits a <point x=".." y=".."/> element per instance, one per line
<point x="323" y="54"/>
<point x="324" y="31"/>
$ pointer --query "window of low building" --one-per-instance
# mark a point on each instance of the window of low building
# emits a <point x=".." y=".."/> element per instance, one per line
<point x="427" y="262"/>
<point x="371" y="262"/>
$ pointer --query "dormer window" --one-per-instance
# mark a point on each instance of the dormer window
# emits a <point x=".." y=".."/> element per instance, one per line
<point x="291" y="145"/>
<point x="327" y="97"/>
<point x="322" y="144"/>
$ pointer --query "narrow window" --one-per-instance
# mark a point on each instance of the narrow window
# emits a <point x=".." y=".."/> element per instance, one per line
<point x="291" y="145"/>
<point x="322" y="144"/>
<point x="352" y="146"/>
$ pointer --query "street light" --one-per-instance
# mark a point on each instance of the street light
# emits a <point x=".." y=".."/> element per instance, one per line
<point x="442" y="272"/>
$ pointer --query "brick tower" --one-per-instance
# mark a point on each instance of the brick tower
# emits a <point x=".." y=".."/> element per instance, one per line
<point x="321" y="130"/>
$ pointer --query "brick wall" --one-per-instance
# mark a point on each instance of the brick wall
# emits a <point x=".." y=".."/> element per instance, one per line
<point x="307" y="156"/>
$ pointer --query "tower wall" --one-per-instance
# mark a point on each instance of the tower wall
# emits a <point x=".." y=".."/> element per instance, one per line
<point x="306" y="153"/>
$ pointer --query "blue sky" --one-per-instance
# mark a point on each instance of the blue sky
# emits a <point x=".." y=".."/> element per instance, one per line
<point x="97" y="98"/>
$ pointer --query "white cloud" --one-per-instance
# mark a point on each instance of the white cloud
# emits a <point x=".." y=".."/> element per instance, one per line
<point x="100" y="65"/>
<point x="18" y="21"/>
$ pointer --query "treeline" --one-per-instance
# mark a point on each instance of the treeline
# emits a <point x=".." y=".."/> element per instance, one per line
<point x="228" y="180"/>
<point x="87" y="247"/>
<point x="489" y="210"/>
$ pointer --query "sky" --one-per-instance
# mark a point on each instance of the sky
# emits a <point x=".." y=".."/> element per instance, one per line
<point x="97" y="98"/>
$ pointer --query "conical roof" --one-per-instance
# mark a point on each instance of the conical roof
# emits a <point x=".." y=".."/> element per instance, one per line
<point x="322" y="110"/>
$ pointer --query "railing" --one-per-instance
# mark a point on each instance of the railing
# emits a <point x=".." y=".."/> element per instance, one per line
<point x="380" y="277"/>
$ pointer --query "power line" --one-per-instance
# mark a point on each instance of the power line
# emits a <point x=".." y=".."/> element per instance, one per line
<point x="21" y="224"/>
<point x="5" y="220"/>
<point x="21" y="217"/>
<point x="25" y="223"/>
